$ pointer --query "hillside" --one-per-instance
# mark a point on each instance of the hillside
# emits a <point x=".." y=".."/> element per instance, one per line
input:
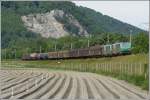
<point x="51" y="24"/>
<point x="94" y="22"/>
<point x="20" y="35"/>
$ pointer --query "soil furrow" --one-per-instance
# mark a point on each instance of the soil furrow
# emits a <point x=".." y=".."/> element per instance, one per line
<point x="90" y="94"/>
<point x="36" y="89"/>
<point x="50" y="92"/>
<point x="112" y="92"/>
<point x="68" y="90"/>
<point x="140" y="96"/>
<point x="78" y="92"/>
<point x="58" y="89"/>
<point x="45" y="88"/>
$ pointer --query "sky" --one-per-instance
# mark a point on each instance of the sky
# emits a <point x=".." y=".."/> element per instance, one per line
<point x="133" y="12"/>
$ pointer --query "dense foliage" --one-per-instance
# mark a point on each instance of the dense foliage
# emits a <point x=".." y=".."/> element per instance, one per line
<point x="141" y="43"/>
<point x="17" y="40"/>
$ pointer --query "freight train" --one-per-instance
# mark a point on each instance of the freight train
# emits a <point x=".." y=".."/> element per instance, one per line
<point x="115" y="49"/>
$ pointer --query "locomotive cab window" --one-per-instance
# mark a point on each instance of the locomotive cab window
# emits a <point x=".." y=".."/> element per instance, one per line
<point x="118" y="46"/>
<point x="126" y="45"/>
<point x="107" y="48"/>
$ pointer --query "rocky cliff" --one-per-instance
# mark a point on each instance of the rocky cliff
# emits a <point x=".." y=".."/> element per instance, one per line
<point x="51" y="24"/>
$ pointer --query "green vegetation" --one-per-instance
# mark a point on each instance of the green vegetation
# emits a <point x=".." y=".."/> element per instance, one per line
<point x="140" y="43"/>
<point x="22" y="46"/>
<point x="17" y="40"/>
<point x="133" y="68"/>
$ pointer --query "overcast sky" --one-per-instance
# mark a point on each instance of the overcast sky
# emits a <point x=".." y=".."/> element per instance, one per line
<point x="133" y="12"/>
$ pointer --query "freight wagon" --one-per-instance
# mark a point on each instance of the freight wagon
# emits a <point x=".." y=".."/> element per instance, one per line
<point x="94" y="51"/>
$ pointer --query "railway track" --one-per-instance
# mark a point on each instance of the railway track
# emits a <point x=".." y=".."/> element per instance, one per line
<point x="42" y="84"/>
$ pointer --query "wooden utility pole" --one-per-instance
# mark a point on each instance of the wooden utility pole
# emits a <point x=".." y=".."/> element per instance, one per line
<point x="88" y="43"/>
<point x="27" y="50"/>
<point x="5" y="53"/>
<point x="71" y="46"/>
<point x="89" y="40"/>
<point x="15" y="53"/>
<point x="55" y="46"/>
<point x="130" y="36"/>
<point x="108" y="38"/>
<point x="40" y="49"/>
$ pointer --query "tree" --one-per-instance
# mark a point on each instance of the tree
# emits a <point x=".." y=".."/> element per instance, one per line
<point x="140" y="43"/>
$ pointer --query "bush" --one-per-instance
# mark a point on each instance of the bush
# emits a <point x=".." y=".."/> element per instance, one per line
<point x="140" y="43"/>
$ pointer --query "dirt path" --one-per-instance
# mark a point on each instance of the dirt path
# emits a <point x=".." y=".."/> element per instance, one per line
<point x="42" y="84"/>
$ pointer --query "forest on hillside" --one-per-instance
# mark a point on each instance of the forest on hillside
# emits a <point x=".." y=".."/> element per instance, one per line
<point x="17" y="40"/>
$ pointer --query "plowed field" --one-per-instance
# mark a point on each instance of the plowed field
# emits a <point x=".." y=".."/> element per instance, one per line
<point x="43" y="84"/>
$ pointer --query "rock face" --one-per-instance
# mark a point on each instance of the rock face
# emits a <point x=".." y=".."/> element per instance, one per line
<point x="48" y="24"/>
